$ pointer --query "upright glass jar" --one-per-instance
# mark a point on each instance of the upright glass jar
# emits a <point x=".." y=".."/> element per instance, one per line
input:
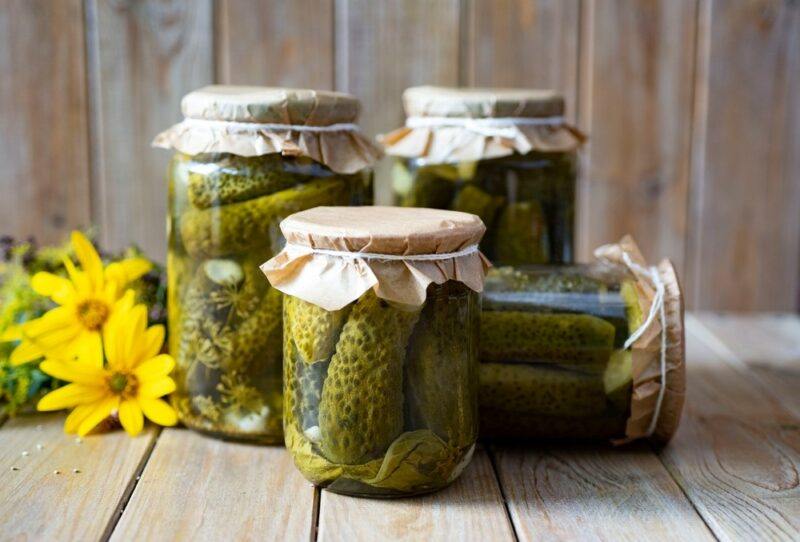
<point x="557" y="357"/>
<point x="505" y="155"/>
<point x="225" y="322"/>
<point x="380" y="378"/>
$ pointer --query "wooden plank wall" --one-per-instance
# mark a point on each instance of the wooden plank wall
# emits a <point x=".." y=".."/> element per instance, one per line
<point x="693" y="107"/>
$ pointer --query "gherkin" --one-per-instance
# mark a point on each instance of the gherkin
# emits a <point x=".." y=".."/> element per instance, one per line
<point x="472" y="199"/>
<point x="249" y="226"/>
<point x="314" y="329"/>
<point x="303" y="387"/>
<point x="516" y="336"/>
<point x="441" y="380"/>
<point x="361" y="411"/>
<point x="543" y="390"/>
<point x="238" y="178"/>
<point x="429" y="190"/>
<point x="520" y="234"/>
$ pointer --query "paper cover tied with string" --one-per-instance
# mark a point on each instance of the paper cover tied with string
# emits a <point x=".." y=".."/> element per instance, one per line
<point x="449" y="125"/>
<point x="590" y="351"/>
<point x="380" y="345"/>
<point x="254" y="121"/>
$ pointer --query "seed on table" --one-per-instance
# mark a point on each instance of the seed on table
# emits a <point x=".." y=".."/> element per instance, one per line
<point x="56" y="471"/>
<point x="14" y="468"/>
<point x="40" y="447"/>
<point x="78" y="440"/>
<point x="25" y="453"/>
<point x="76" y="471"/>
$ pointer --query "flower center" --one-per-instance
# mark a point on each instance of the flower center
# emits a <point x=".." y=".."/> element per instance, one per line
<point x="124" y="385"/>
<point x="93" y="314"/>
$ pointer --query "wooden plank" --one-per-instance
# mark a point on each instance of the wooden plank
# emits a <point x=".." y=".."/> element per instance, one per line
<point x="572" y="492"/>
<point x="200" y="488"/>
<point x="745" y="223"/>
<point x="471" y="509"/>
<point x="382" y="48"/>
<point x="45" y="499"/>
<point x="144" y="56"/>
<point x="43" y="127"/>
<point x="769" y="344"/>
<point x="523" y="44"/>
<point x="736" y="455"/>
<point x="275" y="43"/>
<point x="639" y="118"/>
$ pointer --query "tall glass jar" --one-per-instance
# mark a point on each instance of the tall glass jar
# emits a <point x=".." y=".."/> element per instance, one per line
<point x="561" y="351"/>
<point x="380" y="384"/>
<point x="506" y="156"/>
<point x="225" y="321"/>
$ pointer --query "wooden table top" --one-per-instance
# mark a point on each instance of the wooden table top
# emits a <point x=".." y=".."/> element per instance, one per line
<point x="731" y="472"/>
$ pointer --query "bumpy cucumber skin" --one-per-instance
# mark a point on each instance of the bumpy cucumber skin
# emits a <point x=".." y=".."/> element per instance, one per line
<point x="471" y="199"/>
<point x="441" y="370"/>
<point x="237" y="179"/>
<point x="521" y="235"/>
<point x="361" y="411"/>
<point x="517" y="336"/>
<point x="251" y="225"/>
<point x="314" y="330"/>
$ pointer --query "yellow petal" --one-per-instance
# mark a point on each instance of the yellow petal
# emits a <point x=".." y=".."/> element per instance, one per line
<point x="156" y="388"/>
<point x="70" y="396"/>
<point x="101" y="411"/>
<point x="24" y="352"/>
<point x="79" y="280"/>
<point x="158" y="411"/>
<point x="151" y="344"/>
<point x="89" y="349"/>
<point x="130" y="416"/>
<point x="12" y="333"/>
<point x="127" y="270"/>
<point x="132" y="336"/>
<point x="52" y="320"/>
<point x="154" y="368"/>
<point x="74" y="371"/>
<point x="57" y="288"/>
<point x="76" y="417"/>
<point x="89" y="259"/>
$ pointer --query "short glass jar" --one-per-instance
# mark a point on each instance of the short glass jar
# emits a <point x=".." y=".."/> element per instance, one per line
<point x="225" y="321"/>
<point x="592" y="351"/>
<point x="507" y="156"/>
<point x="380" y="392"/>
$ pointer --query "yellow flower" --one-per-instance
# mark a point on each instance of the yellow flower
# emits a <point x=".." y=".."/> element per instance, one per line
<point x="130" y="383"/>
<point x="87" y="300"/>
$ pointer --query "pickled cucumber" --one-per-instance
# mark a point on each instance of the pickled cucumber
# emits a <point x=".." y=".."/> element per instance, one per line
<point x="471" y="199"/>
<point x="518" y="336"/>
<point x="250" y="226"/>
<point x="521" y="234"/>
<point x="314" y="330"/>
<point x="549" y="391"/>
<point x="238" y="178"/>
<point x="429" y="190"/>
<point x="440" y="383"/>
<point x="361" y="411"/>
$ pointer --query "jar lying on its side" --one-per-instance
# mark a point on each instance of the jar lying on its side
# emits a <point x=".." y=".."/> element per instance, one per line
<point x="225" y="321"/>
<point x="555" y="358"/>
<point x="506" y="156"/>
<point x="380" y="390"/>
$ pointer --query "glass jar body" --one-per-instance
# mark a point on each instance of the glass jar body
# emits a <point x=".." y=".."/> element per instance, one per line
<point x="527" y="202"/>
<point x="380" y="398"/>
<point x="553" y="360"/>
<point x="225" y="321"/>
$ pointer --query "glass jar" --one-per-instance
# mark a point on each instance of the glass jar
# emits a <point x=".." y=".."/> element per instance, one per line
<point x="527" y="202"/>
<point x="553" y="357"/>
<point x="506" y="155"/>
<point x="225" y="321"/>
<point x="380" y="376"/>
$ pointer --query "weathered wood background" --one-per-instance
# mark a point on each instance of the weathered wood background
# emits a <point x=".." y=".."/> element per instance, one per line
<point x="693" y="107"/>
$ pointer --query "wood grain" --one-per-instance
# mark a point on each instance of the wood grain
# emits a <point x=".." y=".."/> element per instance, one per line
<point x="569" y="492"/>
<point x="144" y="56"/>
<point x="43" y="120"/>
<point x="769" y="344"/>
<point x="745" y="222"/>
<point x="382" y="48"/>
<point x="523" y="44"/>
<point x="199" y="488"/>
<point x="737" y="453"/>
<point x="640" y="91"/>
<point x="36" y="503"/>
<point x="275" y="43"/>
<point x="471" y="509"/>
